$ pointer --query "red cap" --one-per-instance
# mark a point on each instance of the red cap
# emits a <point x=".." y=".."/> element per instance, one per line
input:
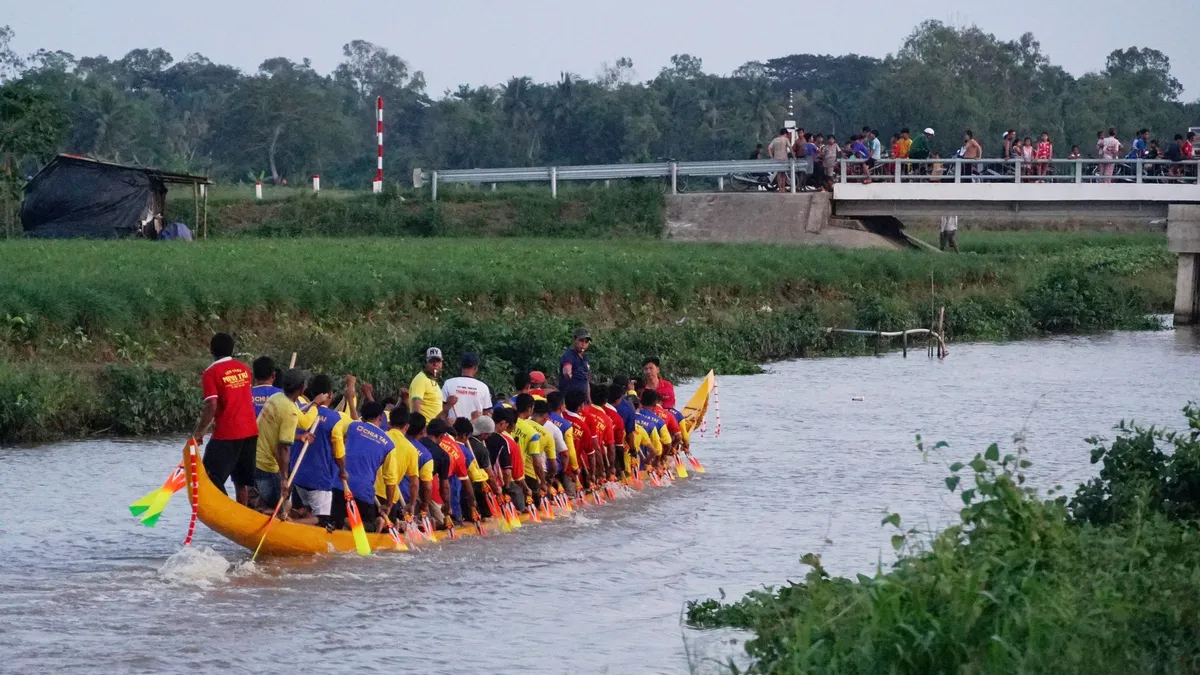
<point x="536" y="377"/>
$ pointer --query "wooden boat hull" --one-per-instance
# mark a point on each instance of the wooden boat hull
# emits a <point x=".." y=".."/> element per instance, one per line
<point x="245" y="526"/>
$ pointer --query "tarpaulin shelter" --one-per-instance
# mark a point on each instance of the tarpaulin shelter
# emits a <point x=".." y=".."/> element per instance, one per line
<point x="75" y="196"/>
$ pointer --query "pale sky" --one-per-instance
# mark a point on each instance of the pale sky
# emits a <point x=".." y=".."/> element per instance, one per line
<point x="487" y="41"/>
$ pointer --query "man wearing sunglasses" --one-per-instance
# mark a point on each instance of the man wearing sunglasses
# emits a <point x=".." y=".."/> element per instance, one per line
<point x="574" y="372"/>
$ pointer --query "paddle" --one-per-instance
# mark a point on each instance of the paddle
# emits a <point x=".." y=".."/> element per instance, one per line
<point x="291" y="477"/>
<point x="356" y="525"/>
<point x="680" y="469"/>
<point x="151" y="506"/>
<point x="391" y="527"/>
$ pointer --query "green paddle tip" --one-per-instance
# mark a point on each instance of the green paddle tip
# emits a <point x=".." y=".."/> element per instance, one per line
<point x="152" y="520"/>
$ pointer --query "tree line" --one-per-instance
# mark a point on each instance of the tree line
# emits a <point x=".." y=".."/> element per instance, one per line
<point x="287" y="121"/>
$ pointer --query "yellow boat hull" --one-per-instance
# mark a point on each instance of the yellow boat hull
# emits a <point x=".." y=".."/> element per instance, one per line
<point x="245" y="526"/>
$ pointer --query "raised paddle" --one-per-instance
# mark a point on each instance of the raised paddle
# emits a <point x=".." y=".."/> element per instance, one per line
<point x="291" y="477"/>
<point x="356" y="525"/>
<point x="150" y="507"/>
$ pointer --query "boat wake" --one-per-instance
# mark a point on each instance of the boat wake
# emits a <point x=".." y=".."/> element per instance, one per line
<point x="201" y="566"/>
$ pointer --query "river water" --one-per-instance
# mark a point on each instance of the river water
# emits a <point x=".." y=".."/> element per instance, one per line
<point x="800" y="466"/>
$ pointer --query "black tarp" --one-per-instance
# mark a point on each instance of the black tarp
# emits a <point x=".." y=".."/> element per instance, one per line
<point x="76" y="197"/>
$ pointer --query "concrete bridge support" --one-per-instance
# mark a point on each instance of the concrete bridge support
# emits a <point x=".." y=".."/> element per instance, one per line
<point x="1183" y="239"/>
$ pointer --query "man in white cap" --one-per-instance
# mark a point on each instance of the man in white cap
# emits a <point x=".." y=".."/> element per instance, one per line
<point x="922" y="148"/>
<point x="424" y="394"/>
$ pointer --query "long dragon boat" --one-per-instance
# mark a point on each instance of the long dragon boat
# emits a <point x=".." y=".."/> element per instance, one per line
<point x="245" y="526"/>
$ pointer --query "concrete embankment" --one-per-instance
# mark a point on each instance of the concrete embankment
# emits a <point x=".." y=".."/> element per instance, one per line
<point x="804" y="218"/>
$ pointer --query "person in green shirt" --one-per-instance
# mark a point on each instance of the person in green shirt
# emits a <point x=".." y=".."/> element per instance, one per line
<point x="922" y="148"/>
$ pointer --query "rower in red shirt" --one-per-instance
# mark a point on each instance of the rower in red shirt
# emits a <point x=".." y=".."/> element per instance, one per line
<point x="602" y="426"/>
<point x="615" y="393"/>
<point x="228" y="401"/>
<point x="584" y="436"/>
<point x="653" y="380"/>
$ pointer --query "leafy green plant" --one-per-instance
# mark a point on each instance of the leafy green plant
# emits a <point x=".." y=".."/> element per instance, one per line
<point x="1103" y="583"/>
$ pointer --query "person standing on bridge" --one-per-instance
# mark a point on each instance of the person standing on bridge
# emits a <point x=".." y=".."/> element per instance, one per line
<point x="778" y="150"/>
<point x="972" y="152"/>
<point x="1111" y="151"/>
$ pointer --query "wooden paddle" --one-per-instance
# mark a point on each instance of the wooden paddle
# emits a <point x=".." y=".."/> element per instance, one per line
<point x="291" y="477"/>
<point x="356" y="525"/>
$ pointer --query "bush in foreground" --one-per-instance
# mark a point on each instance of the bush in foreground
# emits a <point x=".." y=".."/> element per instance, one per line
<point x="1105" y="582"/>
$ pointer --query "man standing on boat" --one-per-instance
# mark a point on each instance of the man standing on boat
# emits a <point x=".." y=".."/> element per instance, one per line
<point x="264" y="382"/>
<point x="228" y="402"/>
<point x="424" y="394"/>
<point x="472" y="397"/>
<point x="651" y="376"/>
<point x="574" y="371"/>
<point x="276" y="432"/>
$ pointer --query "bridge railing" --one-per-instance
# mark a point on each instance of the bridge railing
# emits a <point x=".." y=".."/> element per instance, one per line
<point x="672" y="172"/>
<point x="955" y="170"/>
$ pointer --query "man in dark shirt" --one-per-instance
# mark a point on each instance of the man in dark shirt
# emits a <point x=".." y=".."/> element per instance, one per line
<point x="439" y="504"/>
<point x="483" y="428"/>
<point x="574" y="372"/>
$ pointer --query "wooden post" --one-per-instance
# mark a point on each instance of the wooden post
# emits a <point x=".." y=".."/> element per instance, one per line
<point x="195" y="204"/>
<point x="204" y="189"/>
<point x="942" y="353"/>
<point x="904" y="340"/>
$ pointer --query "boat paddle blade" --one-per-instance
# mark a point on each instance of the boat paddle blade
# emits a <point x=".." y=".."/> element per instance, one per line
<point x="142" y="505"/>
<point x="680" y="469"/>
<point x="156" y="500"/>
<point x="356" y="525"/>
<point x="696" y="463"/>
<point x="152" y="519"/>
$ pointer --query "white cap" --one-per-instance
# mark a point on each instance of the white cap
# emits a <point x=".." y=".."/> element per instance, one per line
<point x="929" y="131"/>
<point x="433" y="354"/>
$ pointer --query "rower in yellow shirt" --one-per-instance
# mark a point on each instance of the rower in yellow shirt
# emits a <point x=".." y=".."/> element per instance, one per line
<point x="407" y="465"/>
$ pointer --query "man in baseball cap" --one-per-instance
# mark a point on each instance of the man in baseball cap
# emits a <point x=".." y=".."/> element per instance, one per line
<point x="574" y="371"/>
<point x="424" y="394"/>
<point x="537" y="383"/>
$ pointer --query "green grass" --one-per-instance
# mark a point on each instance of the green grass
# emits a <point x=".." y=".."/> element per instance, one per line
<point x="1104" y="582"/>
<point x="579" y="211"/>
<point x="370" y="305"/>
<point x="123" y="284"/>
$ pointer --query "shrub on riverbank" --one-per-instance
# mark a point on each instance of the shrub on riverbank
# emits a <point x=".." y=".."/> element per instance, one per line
<point x="1101" y="583"/>
<point x="580" y="211"/>
<point x="371" y="306"/>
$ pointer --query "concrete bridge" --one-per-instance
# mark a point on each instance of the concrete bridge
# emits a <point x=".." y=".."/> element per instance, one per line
<point x="871" y="215"/>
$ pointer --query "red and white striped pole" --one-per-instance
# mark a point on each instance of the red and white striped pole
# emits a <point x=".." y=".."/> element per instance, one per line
<point x="377" y="186"/>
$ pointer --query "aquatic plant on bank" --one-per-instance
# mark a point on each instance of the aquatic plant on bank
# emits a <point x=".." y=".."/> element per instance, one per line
<point x="1101" y="582"/>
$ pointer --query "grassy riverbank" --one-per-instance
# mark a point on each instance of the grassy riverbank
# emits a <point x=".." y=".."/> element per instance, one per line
<point x="515" y="211"/>
<point x="1101" y="582"/>
<point x="109" y="336"/>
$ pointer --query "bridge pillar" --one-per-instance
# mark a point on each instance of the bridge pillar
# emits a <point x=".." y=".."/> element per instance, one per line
<point x="1183" y="239"/>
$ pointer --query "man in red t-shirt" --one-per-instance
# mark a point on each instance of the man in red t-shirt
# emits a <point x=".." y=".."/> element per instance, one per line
<point x="651" y="376"/>
<point x="228" y="402"/>
<point x="603" y="428"/>
<point x="615" y="394"/>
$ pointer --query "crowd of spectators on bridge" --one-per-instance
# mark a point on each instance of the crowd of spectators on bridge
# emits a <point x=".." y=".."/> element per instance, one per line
<point x="870" y="158"/>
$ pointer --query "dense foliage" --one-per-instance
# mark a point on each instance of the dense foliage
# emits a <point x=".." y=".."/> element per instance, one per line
<point x="287" y="121"/>
<point x="370" y="306"/>
<point x="1104" y="582"/>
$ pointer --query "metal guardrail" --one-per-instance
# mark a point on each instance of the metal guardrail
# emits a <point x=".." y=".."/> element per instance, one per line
<point x="955" y="170"/>
<point x="596" y="172"/>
